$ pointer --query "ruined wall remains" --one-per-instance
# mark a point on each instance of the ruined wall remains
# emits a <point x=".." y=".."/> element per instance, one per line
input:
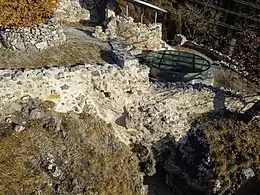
<point x="76" y="10"/>
<point x="122" y="97"/>
<point x="72" y="11"/>
<point x="143" y="37"/>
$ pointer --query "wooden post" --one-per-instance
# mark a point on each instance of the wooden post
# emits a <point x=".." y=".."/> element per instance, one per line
<point x="127" y="9"/>
<point x="155" y="18"/>
<point x="142" y="15"/>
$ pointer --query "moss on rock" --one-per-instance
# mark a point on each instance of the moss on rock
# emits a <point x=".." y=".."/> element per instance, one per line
<point x="80" y="155"/>
<point x="232" y="146"/>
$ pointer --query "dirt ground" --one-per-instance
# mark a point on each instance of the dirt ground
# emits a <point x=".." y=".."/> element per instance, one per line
<point x="79" y="48"/>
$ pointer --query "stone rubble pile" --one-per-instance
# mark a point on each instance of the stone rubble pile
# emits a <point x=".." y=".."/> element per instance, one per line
<point x="34" y="38"/>
<point x="72" y="11"/>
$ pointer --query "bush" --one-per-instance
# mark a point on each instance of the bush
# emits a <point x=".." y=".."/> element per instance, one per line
<point x="25" y="13"/>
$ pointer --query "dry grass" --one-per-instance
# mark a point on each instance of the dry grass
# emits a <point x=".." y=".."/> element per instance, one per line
<point x="84" y="148"/>
<point x="19" y="175"/>
<point x="233" y="145"/>
<point x="233" y="81"/>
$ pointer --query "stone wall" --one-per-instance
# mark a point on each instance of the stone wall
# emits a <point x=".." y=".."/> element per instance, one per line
<point x="124" y="97"/>
<point x="35" y="38"/>
<point x="141" y="36"/>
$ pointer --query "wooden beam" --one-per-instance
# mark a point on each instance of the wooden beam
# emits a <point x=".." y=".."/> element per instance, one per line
<point x="148" y="5"/>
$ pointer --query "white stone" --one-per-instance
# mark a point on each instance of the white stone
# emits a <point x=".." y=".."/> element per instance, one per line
<point x="110" y="13"/>
<point x="41" y="45"/>
<point x="16" y="106"/>
<point x="19" y="128"/>
<point x="180" y="39"/>
<point x="248" y="173"/>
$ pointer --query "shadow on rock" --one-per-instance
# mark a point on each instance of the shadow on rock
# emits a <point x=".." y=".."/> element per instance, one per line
<point x="107" y="56"/>
<point x="218" y="155"/>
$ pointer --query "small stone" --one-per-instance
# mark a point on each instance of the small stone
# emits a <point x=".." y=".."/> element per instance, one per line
<point x="9" y="120"/>
<point x="41" y="45"/>
<point x="65" y="87"/>
<point x="31" y="47"/>
<point x="26" y="29"/>
<point x="248" y="173"/>
<point x="180" y="39"/>
<point x="16" y="106"/>
<point x="36" y="114"/>
<point x="20" y="45"/>
<point x="98" y="29"/>
<point x="19" y="128"/>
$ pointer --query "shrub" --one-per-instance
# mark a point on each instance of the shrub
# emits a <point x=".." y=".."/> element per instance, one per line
<point x="25" y="13"/>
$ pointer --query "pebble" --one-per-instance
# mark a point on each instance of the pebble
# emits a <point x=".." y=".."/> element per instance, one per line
<point x="9" y="120"/>
<point x="248" y="173"/>
<point x="16" y="107"/>
<point x="19" y="128"/>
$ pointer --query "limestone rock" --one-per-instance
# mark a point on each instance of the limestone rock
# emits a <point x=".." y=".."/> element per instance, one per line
<point x="180" y="39"/>
<point x="19" y="128"/>
<point x="73" y="11"/>
<point x="41" y="45"/>
<point x="16" y="106"/>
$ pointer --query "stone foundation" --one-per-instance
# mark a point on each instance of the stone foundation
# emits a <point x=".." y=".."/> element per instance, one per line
<point x="33" y="39"/>
<point x="118" y="96"/>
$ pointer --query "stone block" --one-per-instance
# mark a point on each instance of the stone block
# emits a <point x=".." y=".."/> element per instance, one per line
<point x="180" y="39"/>
<point x="41" y="45"/>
